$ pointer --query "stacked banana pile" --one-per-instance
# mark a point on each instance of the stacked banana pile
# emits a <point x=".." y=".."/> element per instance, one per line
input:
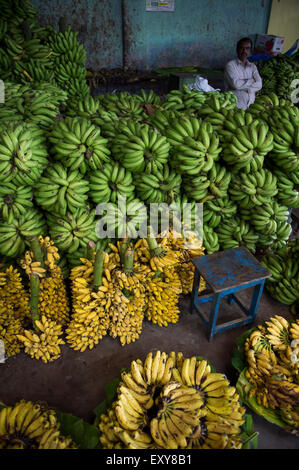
<point x="28" y="425"/>
<point x="172" y="402"/>
<point x="283" y="285"/>
<point x="271" y="353"/>
<point x="31" y="53"/>
<point x="278" y="74"/>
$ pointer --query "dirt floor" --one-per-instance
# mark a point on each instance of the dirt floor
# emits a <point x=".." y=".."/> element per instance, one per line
<point x="75" y="383"/>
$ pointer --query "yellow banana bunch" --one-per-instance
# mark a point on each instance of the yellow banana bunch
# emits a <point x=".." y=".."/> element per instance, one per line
<point x="272" y="367"/>
<point x="28" y="425"/>
<point x="46" y="344"/>
<point x="13" y="294"/>
<point x="90" y="317"/>
<point x="10" y="327"/>
<point x="171" y="402"/>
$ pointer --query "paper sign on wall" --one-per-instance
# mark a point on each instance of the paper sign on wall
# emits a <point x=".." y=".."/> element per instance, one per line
<point x="159" y="6"/>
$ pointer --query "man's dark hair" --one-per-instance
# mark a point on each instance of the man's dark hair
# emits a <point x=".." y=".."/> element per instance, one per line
<point x="243" y="40"/>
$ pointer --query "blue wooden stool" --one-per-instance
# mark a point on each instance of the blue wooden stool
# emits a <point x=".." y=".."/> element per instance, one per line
<point x="227" y="272"/>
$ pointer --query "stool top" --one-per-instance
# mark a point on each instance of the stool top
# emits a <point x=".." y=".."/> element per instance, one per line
<point x="230" y="268"/>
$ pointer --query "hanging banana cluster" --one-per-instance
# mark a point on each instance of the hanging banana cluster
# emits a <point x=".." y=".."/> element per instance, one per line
<point x="46" y="344"/>
<point x="186" y="247"/>
<point x="53" y="301"/>
<point x="90" y="315"/>
<point x="10" y="326"/>
<point x="29" y="425"/>
<point x="172" y="402"/>
<point x="283" y="285"/>
<point x="273" y="367"/>
<point x="14" y="310"/>
<point x="13" y="293"/>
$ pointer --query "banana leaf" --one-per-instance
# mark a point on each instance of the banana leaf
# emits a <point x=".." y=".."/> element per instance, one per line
<point x="238" y="357"/>
<point x="85" y="435"/>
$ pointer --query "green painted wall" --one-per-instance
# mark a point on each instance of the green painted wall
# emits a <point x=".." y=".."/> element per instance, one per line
<point x="198" y="32"/>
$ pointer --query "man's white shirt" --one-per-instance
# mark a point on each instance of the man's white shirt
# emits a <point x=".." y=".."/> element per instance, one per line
<point x="243" y="80"/>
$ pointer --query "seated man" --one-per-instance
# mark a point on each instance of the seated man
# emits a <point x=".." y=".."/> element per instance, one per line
<point x="242" y="77"/>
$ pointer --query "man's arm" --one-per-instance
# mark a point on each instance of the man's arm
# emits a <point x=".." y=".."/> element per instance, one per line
<point x="236" y="83"/>
<point x="258" y="84"/>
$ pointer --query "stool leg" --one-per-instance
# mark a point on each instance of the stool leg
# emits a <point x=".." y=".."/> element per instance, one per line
<point x="214" y="315"/>
<point x="194" y="290"/>
<point x="258" y="290"/>
<point x="230" y="299"/>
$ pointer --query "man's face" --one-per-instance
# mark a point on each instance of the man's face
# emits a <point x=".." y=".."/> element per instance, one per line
<point x="244" y="51"/>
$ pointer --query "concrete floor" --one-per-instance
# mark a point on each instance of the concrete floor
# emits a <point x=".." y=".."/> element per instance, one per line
<point x="75" y="382"/>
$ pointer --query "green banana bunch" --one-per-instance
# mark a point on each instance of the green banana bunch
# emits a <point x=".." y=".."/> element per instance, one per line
<point x="23" y="153"/>
<point x="265" y="218"/>
<point x="197" y="188"/>
<point x="15" y="232"/>
<point x="217" y="102"/>
<point x="277" y="75"/>
<point x="277" y="239"/>
<point x="108" y="184"/>
<point x="219" y="178"/>
<point x="245" y="147"/>
<point x="281" y="266"/>
<point x="253" y="189"/>
<point x="72" y="231"/>
<point x="140" y="148"/>
<point x="14" y="200"/>
<point x="221" y="209"/>
<point x="160" y="119"/>
<point x="87" y="108"/>
<point x="79" y="145"/>
<point x="126" y="218"/>
<point x="148" y="98"/>
<point x="66" y="44"/>
<point x="235" y="232"/>
<point x="35" y="71"/>
<point x="61" y="190"/>
<point x="184" y="100"/>
<point x="195" y="145"/>
<point x="287" y="195"/>
<point x="210" y="240"/>
<point x="124" y="105"/>
<point x="77" y="88"/>
<point x="6" y="65"/>
<point x="286" y="292"/>
<point x="159" y="186"/>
